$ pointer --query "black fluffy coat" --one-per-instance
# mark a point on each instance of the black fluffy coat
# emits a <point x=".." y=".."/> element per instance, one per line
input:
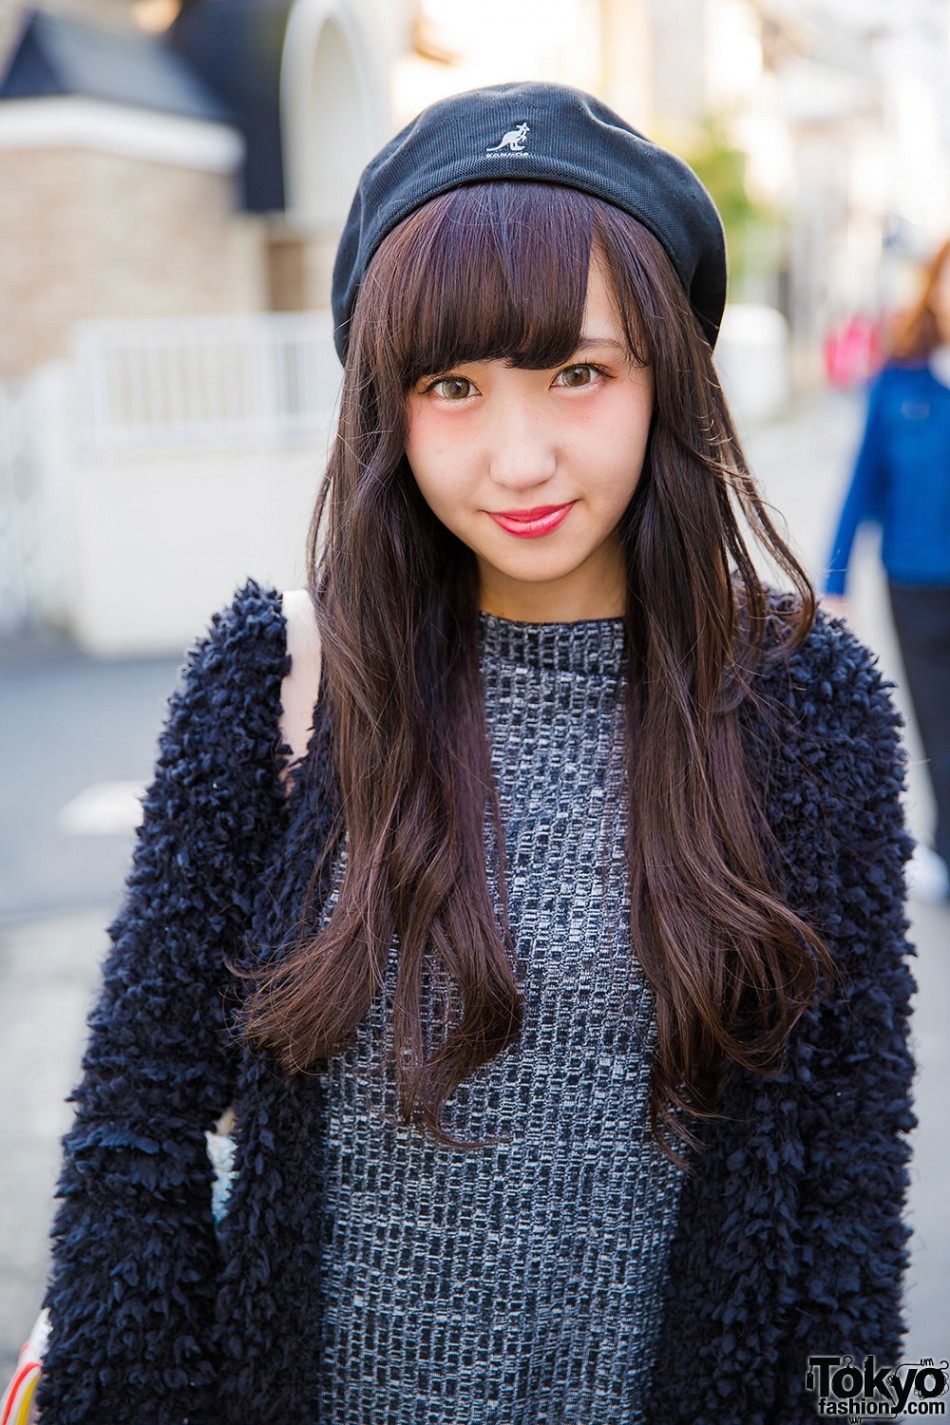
<point x="790" y="1238"/>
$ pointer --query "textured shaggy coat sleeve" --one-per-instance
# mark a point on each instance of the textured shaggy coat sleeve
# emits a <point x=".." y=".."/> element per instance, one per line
<point x="852" y="1065"/>
<point x="790" y="1240"/>
<point x="132" y="1289"/>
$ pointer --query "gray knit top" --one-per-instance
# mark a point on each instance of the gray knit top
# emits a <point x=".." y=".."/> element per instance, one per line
<point x="519" y="1283"/>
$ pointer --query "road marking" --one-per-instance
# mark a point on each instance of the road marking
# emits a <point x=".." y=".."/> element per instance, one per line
<point x="103" y="809"/>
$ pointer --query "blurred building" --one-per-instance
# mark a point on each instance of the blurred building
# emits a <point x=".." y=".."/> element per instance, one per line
<point x="200" y="169"/>
<point x="841" y="107"/>
<point x="175" y="175"/>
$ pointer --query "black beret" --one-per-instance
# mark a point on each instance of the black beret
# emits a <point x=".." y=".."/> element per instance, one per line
<point x="547" y="133"/>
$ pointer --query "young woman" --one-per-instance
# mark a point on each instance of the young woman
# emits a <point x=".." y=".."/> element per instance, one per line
<point x="901" y="481"/>
<point x="553" y="989"/>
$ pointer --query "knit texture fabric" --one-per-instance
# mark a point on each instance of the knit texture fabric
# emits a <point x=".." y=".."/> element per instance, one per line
<point x="519" y="1283"/>
<point x="788" y="1238"/>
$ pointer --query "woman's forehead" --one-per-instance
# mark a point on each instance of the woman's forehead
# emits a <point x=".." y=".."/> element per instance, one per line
<point x="490" y="291"/>
<point x="545" y="329"/>
<point x="518" y="312"/>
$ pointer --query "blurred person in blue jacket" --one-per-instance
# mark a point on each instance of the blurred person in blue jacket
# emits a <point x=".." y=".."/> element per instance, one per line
<point x="901" y="481"/>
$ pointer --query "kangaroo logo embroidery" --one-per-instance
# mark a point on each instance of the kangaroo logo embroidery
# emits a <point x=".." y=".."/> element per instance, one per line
<point x="514" y="140"/>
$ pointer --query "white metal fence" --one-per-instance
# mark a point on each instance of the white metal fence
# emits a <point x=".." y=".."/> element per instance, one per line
<point x="265" y="378"/>
<point x="199" y="388"/>
<point x="19" y="514"/>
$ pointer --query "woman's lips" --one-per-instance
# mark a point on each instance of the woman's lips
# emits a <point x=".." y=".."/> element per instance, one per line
<point x="529" y="524"/>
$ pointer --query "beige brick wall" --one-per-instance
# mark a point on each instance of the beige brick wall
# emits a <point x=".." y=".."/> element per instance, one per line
<point x="299" y="268"/>
<point x="89" y="234"/>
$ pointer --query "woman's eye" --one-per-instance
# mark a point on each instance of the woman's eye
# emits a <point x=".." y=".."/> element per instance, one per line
<point x="576" y="376"/>
<point x="452" y="388"/>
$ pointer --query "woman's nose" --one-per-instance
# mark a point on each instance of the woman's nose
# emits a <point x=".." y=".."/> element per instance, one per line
<point x="522" y="451"/>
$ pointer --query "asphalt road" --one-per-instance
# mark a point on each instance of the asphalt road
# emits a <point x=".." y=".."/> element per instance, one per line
<point x="69" y="723"/>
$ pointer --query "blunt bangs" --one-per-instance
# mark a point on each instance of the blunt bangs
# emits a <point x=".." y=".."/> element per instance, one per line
<point x="487" y="272"/>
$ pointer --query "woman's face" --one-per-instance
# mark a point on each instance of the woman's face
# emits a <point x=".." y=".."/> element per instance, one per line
<point x="534" y="469"/>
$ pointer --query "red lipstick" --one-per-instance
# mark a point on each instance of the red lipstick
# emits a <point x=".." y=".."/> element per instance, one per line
<point x="530" y="524"/>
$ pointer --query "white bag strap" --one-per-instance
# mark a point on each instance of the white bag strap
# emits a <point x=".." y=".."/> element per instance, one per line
<point x="298" y="698"/>
<point x="301" y="687"/>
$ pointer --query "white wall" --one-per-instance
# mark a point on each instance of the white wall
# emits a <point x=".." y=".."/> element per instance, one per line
<point x="335" y="110"/>
<point x="161" y="542"/>
<point x="752" y="361"/>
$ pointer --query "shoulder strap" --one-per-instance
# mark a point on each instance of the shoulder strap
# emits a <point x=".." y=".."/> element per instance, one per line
<point x="301" y="686"/>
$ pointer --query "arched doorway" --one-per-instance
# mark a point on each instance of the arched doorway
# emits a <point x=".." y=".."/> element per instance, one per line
<point x="332" y="117"/>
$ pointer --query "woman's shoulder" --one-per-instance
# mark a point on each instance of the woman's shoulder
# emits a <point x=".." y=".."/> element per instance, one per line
<point x="224" y="709"/>
<point x="260" y="658"/>
<point x="217" y="752"/>
<point x="835" y="700"/>
<point x="828" y="644"/>
<point x="830" y="650"/>
<point x="243" y="643"/>
<point x="825" y="737"/>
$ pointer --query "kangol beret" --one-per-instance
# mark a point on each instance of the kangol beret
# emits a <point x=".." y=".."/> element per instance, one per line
<point x="547" y="133"/>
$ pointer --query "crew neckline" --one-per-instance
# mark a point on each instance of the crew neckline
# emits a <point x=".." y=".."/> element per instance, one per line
<point x="594" y="645"/>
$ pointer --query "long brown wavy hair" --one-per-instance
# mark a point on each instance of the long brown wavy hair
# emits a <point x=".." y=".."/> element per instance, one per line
<point x="916" y="332"/>
<point x="499" y="271"/>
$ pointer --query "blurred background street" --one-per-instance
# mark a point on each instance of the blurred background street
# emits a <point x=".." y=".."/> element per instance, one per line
<point x="175" y="176"/>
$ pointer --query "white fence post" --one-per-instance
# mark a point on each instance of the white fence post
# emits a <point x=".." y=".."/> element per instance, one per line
<point x="37" y="543"/>
<point x="17" y="508"/>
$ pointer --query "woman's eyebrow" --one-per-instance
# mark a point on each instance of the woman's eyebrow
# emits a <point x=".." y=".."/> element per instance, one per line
<point x="588" y="339"/>
<point x="599" y="341"/>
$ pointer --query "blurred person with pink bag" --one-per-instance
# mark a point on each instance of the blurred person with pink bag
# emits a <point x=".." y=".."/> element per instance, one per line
<point x="901" y="482"/>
